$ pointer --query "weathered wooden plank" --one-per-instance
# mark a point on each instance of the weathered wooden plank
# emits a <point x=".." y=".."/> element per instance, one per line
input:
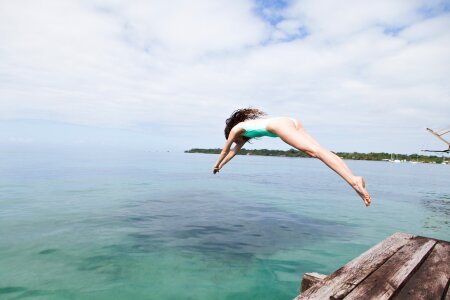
<point x="431" y="279"/>
<point x="310" y="279"/>
<point x="347" y="277"/>
<point x="383" y="283"/>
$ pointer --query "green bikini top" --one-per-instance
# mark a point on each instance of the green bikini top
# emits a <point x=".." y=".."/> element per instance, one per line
<point x="257" y="130"/>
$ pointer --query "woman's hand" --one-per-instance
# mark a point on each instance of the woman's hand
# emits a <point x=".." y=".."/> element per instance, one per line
<point x="215" y="170"/>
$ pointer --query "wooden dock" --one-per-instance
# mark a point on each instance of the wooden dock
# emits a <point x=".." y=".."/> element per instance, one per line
<point x="403" y="266"/>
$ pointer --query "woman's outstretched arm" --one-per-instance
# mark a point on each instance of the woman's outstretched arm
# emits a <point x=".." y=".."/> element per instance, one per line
<point x="231" y="154"/>
<point x="225" y="154"/>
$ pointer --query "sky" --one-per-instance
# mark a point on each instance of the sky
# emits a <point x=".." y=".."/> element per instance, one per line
<point x="164" y="75"/>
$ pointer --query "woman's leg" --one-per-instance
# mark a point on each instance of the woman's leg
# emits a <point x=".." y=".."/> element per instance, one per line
<point x="300" y="139"/>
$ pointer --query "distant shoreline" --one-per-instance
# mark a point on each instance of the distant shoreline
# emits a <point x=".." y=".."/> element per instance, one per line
<point x="373" y="156"/>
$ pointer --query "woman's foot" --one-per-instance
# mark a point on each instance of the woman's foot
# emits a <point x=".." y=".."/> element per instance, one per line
<point x="360" y="187"/>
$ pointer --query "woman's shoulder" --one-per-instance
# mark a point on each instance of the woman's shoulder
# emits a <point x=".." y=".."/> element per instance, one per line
<point x="257" y="120"/>
<point x="263" y="118"/>
<point x="239" y="126"/>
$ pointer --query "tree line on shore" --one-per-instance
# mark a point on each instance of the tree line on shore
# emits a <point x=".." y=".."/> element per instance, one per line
<point x="344" y="155"/>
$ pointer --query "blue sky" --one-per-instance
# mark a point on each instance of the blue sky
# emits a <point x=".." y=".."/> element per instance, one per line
<point x="164" y="75"/>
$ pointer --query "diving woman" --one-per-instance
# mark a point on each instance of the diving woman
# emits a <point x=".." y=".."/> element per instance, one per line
<point x="245" y="124"/>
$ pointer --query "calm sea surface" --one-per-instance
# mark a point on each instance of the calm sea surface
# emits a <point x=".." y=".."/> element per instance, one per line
<point x="148" y="225"/>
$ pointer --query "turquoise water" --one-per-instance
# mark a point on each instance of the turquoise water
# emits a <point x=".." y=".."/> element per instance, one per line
<point x="148" y="225"/>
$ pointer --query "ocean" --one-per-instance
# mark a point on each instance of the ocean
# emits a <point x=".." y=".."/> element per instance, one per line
<point x="158" y="225"/>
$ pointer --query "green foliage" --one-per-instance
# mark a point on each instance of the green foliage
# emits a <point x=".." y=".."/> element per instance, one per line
<point x="344" y="155"/>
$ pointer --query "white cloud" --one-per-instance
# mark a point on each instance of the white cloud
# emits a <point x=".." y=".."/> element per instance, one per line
<point x="193" y="27"/>
<point x="187" y="64"/>
<point x="335" y="19"/>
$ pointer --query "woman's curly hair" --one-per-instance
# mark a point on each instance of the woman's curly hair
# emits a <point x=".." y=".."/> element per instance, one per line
<point x="241" y="115"/>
